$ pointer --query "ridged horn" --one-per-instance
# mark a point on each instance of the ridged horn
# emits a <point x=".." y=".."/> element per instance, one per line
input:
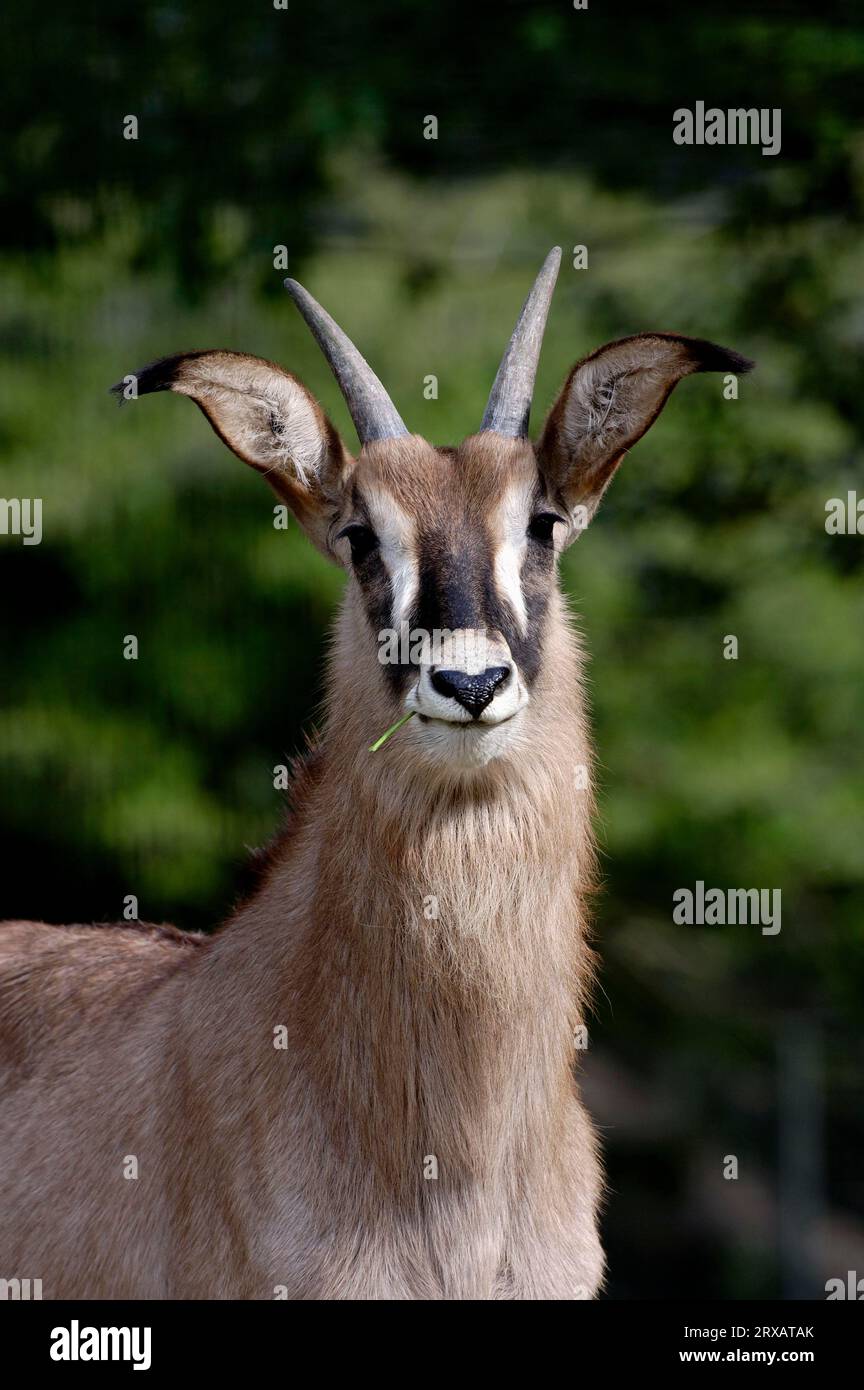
<point x="374" y="414"/>
<point x="509" y="406"/>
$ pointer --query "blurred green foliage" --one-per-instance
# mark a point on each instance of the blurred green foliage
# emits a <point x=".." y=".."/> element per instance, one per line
<point x="260" y="128"/>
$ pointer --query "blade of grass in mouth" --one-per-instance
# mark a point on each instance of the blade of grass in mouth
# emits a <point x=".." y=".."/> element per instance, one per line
<point x="393" y="727"/>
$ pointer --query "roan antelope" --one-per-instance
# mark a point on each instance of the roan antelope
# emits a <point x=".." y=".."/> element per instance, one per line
<point x="361" y="1086"/>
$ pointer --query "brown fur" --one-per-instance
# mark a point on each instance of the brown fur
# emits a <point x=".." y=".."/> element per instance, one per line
<point x="418" y="938"/>
<point x="408" y="1037"/>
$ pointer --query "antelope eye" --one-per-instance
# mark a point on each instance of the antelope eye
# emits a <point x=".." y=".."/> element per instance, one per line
<point x="362" y="540"/>
<point x="542" y="527"/>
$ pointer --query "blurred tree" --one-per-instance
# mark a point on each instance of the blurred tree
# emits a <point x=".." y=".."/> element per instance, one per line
<point x="267" y="96"/>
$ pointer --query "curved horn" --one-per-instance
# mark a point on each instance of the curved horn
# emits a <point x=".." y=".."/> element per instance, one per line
<point x="509" y="404"/>
<point x="374" y="414"/>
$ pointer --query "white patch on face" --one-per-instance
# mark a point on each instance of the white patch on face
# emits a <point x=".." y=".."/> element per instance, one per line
<point x="395" y="534"/>
<point x="448" y="731"/>
<point x="463" y="747"/>
<point x="509" y="530"/>
<point x="445" y="725"/>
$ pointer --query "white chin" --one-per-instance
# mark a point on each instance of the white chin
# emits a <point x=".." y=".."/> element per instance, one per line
<point x="465" y="745"/>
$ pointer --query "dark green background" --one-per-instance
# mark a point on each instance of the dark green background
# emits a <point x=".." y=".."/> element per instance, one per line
<point x="260" y="127"/>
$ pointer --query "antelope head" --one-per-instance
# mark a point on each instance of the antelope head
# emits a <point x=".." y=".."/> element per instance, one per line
<point x="452" y="552"/>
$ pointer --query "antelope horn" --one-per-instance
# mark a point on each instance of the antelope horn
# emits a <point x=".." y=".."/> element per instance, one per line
<point x="374" y="414"/>
<point x="509" y="406"/>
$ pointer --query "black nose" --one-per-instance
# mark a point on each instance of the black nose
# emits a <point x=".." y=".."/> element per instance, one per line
<point x="474" y="693"/>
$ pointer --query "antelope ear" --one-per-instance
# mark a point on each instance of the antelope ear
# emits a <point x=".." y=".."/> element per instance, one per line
<point x="608" y="402"/>
<point x="268" y="419"/>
